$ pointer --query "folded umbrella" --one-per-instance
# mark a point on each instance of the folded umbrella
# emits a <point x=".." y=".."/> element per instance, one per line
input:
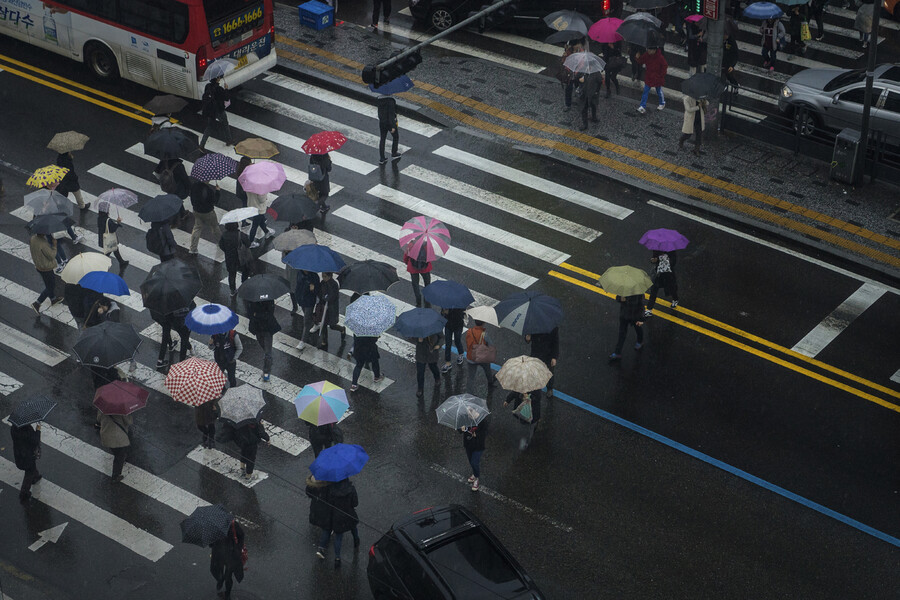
<point x="256" y="148"/>
<point x="625" y="281"/>
<point x="171" y="142"/>
<point x="48" y="224"/>
<point x="763" y="10"/>
<point x="48" y="202"/>
<point x="241" y="404"/>
<point x="262" y="177"/>
<point x="641" y="33"/>
<point x="195" y="381"/>
<point x="367" y="276"/>
<point x="220" y="67"/>
<point x="448" y="294"/>
<point x="68" y="141"/>
<point x="292" y="239"/>
<point x="206" y="525"/>
<point x="485" y="314"/>
<point x="105" y="283"/>
<point x="82" y="264"/>
<point x="161" y="208"/>
<point x="263" y="287"/>
<point x="604" y="31"/>
<point x="315" y="257"/>
<point x="370" y="316"/>
<point x="584" y="62"/>
<point x="107" y="344"/>
<point x="321" y="403"/>
<point x="339" y="462"/>
<point x="463" y="410"/>
<point x="120" y="398"/>
<point x="32" y="410"/>
<point x="425" y="238"/>
<point x="293" y="208"/>
<point x="529" y="312"/>
<point x="170" y="286"/>
<point x="568" y="35"/>
<point x="702" y="85"/>
<point x="47" y="176"/>
<point x="324" y="142"/>
<point x="524" y="374"/>
<point x="394" y="86"/>
<point x="420" y="323"/>
<point x="211" y="319"/>
<point x="165" y="105"/>
<point x="562" y="20"/>
<point x="238" y="214"/>
<point x="665" y="240"/>
<point x="213" y="166"/>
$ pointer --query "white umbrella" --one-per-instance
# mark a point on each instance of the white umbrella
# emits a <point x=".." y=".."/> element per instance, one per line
<point x="238" y="214"/>
<point x="524" y="374"/>
<point x="486" y="314"/>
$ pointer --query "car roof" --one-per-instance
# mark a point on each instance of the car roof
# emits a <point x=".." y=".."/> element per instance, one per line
<point x="432" y="526"/>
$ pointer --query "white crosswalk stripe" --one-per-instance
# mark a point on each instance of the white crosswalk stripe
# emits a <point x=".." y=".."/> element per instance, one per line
<point x="21" y="342"/>
<point x="9" y="384"/>
<point x="226" y="465"/>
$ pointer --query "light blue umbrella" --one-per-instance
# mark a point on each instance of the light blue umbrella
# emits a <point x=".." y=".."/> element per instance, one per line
<point x="105" y="283"/>
<point x="370" y="316"/>
<point x="394" y="86"/>
<point x="211" y="319"/>
<point x="762" y="10"/>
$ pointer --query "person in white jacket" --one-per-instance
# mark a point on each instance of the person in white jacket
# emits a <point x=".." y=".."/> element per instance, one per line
<point x="260" y="202"/>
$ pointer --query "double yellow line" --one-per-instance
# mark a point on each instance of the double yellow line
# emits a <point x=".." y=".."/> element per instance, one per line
<point x="792" y="364"/>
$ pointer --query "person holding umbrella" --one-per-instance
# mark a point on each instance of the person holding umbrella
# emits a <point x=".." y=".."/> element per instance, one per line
<point x="26" y="451"/>
<point x="589" y="92"/>
<point x="468" y="415"/>
<point x="235" y="244"/>
<point x="615" y="62"/>
<point x="631" y="312"/>
<point x="694" y="122"/>
<point x="247" y="436"/>
<point x="106" y="226"/>
<point x="427" y="354"/>
<point x="43" y="255"/>
<point x="730" y="53"/>
<point x="264" y="325"/>
<point x="773" y="35"/>
<point x="204" y="199"/>
<point x="665" y="278"/>
<point x="342" y="500"/>
<point x="226" y="559"/>
<point x="329" y="296"/>
<point x="260" y="203"/>
<point x="387" y="123"/>
<point x="654" y="76"/>
<point x="524" y="376"/>
<point x="368" y="317"/>
<point x="227" y="348"/>
<point x="160" y="240"/>
<point x="545" y="346"/>
<point x="477" y="335"/>
<point x="307" y="293"/>
<point x="319" y="510"/>
<point x="418" y="268"/>
<point x="215" y="101"/>
<point x="115" y="435"/>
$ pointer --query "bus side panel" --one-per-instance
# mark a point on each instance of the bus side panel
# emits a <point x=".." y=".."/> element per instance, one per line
<point x="30" y="21"/>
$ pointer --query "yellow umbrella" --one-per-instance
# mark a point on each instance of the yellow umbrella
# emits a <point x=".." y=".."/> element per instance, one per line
<point x="47" y="176"/>
<point x="256" y="148"/>
<point x="67" y="141"/>
<point x="82" y="264"/>
<point x="524" y="374"/>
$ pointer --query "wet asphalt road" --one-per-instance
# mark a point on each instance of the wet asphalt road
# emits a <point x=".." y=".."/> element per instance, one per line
<point x="591" y="509"/>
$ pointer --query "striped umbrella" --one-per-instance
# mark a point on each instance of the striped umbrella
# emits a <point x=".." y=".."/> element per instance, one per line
<point x="263" y="177"/>
<point x="47" y="176"/>
<point x="425" y="238"/>
<point x="370" y="316"/>
<point x="321" y="403"/>
<point x="211" y="319"/>
<point x="195" y="381"/>
<point x="213" y="166"/>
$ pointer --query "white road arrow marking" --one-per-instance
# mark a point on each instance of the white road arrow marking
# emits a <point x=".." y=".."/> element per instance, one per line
<point x="48" y="535"/>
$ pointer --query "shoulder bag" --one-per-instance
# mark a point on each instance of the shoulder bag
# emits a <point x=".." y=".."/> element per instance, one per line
<point x="110" y="240"/>
<point x="482" y="353"/>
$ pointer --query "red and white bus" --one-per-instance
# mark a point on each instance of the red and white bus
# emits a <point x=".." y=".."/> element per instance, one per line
<point x="163" y="44"/>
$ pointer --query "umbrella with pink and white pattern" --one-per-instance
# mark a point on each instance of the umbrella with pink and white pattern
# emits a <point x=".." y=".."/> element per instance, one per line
<point x="425" y="238"/>
<point x="263" y="177"/>
<point x="195" y="381"/>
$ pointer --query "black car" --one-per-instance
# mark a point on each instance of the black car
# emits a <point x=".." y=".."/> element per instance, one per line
<point x="441" y="14"/>
<point x="445" y="553"/>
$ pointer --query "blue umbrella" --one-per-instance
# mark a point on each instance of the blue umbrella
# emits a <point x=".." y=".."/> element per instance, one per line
<point x="448" y="294"/>
<point x="316" y="258"/>
<point x="105" y="283"/>
<point x="339" y="462"/>
<point x="762" y="10"/>
<point x="420" y="323"/>
<point x="529" y="312"/>
<point x="370" y="316"/>
<point x="394" y="86"/>
<point x="211" y="319"/>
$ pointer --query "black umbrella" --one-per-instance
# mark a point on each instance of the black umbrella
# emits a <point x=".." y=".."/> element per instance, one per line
<point x="702" y="85"/>
<point x="650" y="4"/>
<point x="641" y="33"/>
<point x="567" y="35"/>
<point x="368" y="276"/>
<point x="32" y="410"/>
<point x="206" y="525"/>
<point x="47" y="224"/>
<point x="107" y="344"/>
<point x="171" y="142"/>
<point x="161" y="208"/>
<point x="170" y="286"/>
<point x="568" y="19"/>
<point x="293" y="208"/>
<point x="260" y="288"/>
<point x="165" y="105"/>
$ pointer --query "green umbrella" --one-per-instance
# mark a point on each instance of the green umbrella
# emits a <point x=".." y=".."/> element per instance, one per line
<point x="625" y="281"/>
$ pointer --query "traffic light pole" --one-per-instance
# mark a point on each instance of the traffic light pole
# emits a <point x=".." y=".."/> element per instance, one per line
<point x="870" y="80"/>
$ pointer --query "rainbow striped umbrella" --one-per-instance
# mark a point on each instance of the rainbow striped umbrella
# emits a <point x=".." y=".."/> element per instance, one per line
<point x="425" y="238"/>
<point x="321" y="403"/>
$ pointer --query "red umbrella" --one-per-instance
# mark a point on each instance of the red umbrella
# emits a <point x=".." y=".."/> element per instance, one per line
<point x="120" y="398"/>
<point x="324" y="142"/>
<point x="195" y="381"/>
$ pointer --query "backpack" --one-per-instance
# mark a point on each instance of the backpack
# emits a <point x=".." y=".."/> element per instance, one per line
<point x="315" y="172"/>
<point x="154" y="241"/>
<point x="167" y="181"/>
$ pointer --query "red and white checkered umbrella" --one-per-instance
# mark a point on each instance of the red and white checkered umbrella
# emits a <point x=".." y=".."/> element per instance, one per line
<point x="425" y="238"/>
<point x="195" y="381"/>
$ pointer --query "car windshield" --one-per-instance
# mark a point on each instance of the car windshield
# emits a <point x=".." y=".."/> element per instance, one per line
<point x="892" y="74"/>
<point x="474" y="569"/>
<point x="854" y="76"/>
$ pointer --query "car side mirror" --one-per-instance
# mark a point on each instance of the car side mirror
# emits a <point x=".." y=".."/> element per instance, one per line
<point x="834" y="99"/>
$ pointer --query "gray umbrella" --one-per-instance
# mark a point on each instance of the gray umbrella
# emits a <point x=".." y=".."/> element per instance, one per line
<point x="463" y="410"/>
<point x="48" y="202"/>
<point x="32" y="410"/>
<point x="241" y="404"/>
<point x="206" y="525"/>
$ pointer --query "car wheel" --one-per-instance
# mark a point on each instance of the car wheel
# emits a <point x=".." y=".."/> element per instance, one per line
<point x="441" y="18"/>
<point x="806" y="122"/>
<point x="101" y="61"/>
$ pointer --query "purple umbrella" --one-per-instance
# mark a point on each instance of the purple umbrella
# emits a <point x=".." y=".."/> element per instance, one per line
<point x="213" y="166"/>
<point x="665" y="240"/>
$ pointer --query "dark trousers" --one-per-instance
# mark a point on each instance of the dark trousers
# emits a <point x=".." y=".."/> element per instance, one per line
<point x="265" y="342"/>
<point x="417" y="292"/>
<point x="449" y="336"/>
<point x="248" y="457"/>
<point x="224" y="576"/>
<point x="258" y="221"/>
<point x="309" y="319"/>
<point x="623" y="330"/>
<point x="817" y="15"/>
<point x="550" y="384"/>
<point x="590" y="104"/>
<point x="30" y="478"/>
<point x="769" y="55"/>
<point x="319" y="446"/>
<point x="395" y="143"/>
<point x="568" y="88"/>
<point x="220" y="122"/>
<point x="209" y="434"/>
<point x="730" y="76"/>
<point x="376" y="369"/>
<point x="386" y="6"/>
<point x="229" y="369"/>
<point x="49" y="285"/>
<point x="185" y="334"/>
<point x="474" y="457"/>
<point x="666" y="281"/>
<point x="119" y="456"/>
<point x="420" y="373"/>
<point x="246" y="273"/>
<point x="612" y="79"/>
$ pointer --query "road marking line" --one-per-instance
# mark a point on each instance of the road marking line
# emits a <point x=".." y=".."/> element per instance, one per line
<point x="467" y="223"/>
<point x="8" y="384"/>
<point x="103" y="522"/>
<point x="33" y="347"/>
<point x="896" y="376"/>
<point x="840" y="318"/>
<point x="226" y="465"/>
<point x="532" y="181"/>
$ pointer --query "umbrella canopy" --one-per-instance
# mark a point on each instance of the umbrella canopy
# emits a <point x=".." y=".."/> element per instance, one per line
<point x="644" y="16"/>
<point x="529" y="312"/>
<point x="448" y="294"/>
<point x="171" y="142"/>
<point x="119" y="197"/>
<point x="763" y="10"/>
<point x="105" y="283"/>
<point x="262" y="177"/>
<point x="315" y="257"/>
<point x="241" y="404"/>
<point x="195" y="381"/>
<point x="584" y="62"/>
<point x="293" y="208"/>
<point x="562" y="20"/>
<point x="219" y="68"/>
<point x="165" y="105"/>
<point x="524" y="374"/>
<point x="107" y="344"/>
<point x="32" y="410"/>
<point x="394" y="86"/>
<point x="82" y="264"/>
<point x="420" y="323"/>
<point x="463" y="410"/>
<point x="650" y="4"/>
<point x="265" y="286"/>
<point x="256" y="148"/>
<point x="47" y="224"/>
<point x="625" y="281"/>
<point x="48" y="202"/>
<point x="211" y="319"/>
<point x="485" y="314"/>
<point x="120" y="398"/>
<point x="324" y="142"/>
<point x="367" y="276"/>
<point x="161" y="208"/>
<point x="370" y="316"/>
<point x="425" y="238"/>
<point x="694" y="18"/>
<point x="170" y="286"/>
<point x="293" y="238"/>
<point x="206" y="525"/>
<point x="665" y="240"/>
<point x="702" y="85"/>
<point x="321" y="403"/>
<point x="238" y="214"/>
<point x="47" y="176"/>
<point x="641" y="33"/>
<point x="68" y="141"/>
<point x="213" y="166"/>
<point x="604" y="30"/>
<point x="339" y="462"/>
<point x="567" y="35"/>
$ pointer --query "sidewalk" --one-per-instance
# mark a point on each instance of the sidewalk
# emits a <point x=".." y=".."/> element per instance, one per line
<point x="740" y="178"/>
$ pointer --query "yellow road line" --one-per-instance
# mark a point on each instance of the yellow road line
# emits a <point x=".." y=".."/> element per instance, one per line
<point x="741" y="346"/>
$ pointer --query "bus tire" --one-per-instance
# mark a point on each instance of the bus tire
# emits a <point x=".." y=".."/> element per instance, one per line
<point x="101" y="61"/>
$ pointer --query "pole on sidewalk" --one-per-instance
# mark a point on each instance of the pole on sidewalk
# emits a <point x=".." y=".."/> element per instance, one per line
<point x="870" y="80"/>
<point x="715" y="42"/>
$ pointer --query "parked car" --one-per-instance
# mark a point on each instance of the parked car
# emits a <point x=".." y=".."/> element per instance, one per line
<point x="833" y="99"/>
<point x="445" y="553"/>
<point x="441" y="14"/>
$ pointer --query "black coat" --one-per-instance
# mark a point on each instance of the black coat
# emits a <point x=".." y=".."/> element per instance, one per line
<point x="102" y="219"/>
<point x="631" y="308"/>
<point x="343" y="500"/>
<point x="262" y="317"/>
<point x="730" y="53"/>
<point x="229" y="243"/>
<point x="323" y="434"/>
<point x="225" y="558"/>
<point x="179" y="175"/>
<point x="74" y="299"/>
<point x="330" y="294"/>
<point x="319" y="511"/>
<point x="545" y="346"/>
<point x="590" y="90"/>
<point x="324" y="161"/>
<point x="214" y="97"/>
<point x="474" y="437"/>
<point x="26" y="442"/>
<point x="204" y="197"/>
<point x="387" y="113"/>
<point x="305" y="297"/>
<point x="250" y="435"/>
<point x="365" y="349"/>
<point x="167" y="239"/>
<point x="456" y="318"/>
<point x="69" y="183"/>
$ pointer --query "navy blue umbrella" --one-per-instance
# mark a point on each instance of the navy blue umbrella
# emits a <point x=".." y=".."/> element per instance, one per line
<point x="763" y="10"/>
<point x="30" y="411"/>
<point x="448" y="294"/>
<point x="394" y="86"/>
<point x="529" y="312"/>
<point x="420" y="323"/>
<point x="206" y="525"/>
<point x="316" y="258"/>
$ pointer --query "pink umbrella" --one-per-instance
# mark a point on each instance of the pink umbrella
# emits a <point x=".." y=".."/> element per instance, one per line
<point x="693" y="18"/>
<point x="604" y="30"/>
<point x="263" y="177"/>
<point x="425" y="238"/>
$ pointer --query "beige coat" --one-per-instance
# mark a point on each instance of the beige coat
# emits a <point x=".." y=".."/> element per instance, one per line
<point x="258" y="201"/>
<point x="691" y="107"/>
<point x="43" y="253"/>
<point x="111" y="435"/>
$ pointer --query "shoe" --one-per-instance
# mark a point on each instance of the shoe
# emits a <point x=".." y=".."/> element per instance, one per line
<point x="354" y="387"/>
<point x="680" y="144"/>
<point x="379" y="378"/>
<point x="475" y="486"/>
<point x="314" y="329"/>
<point x="615" y="356"/>
<point x="396" y="157"/>
<point x="350" y="355"/>
<point x="269" y="235"/>
<point x="661" y="106"/>
<point x="85" y="206"/>
<point x="253" y="245"/>
<point x="642" y="110"/>
<point x="59" y="268"/>
<point x="172" y="346"/>
<point x="325" y="208"/>
<point x="266" y="377"/>
<point x="78" y="239"/>
<point x="117" y="478"/>
<point x="582" y="128"/>
<point x="460" y="359"/>
<point x="301" y="346"/>
<point x="419" y="393"/>
<point x="162" y="363"/>
<point x="337" y="562"/>
<point x="674" y="303"/>
<point x="446" y="368"/>
<point x="382" y="161"/>
<point x="648" y="313"/>
<point x="638" y="345"/>
<point x="820" y="37"/>
<point x="24" y="498"/>
<point x="123" y="265"/>
<point x="771" y="68"/>
<point x="36" y="307"/>
<point x="37" y="480"/>
<point x="320" y="552"/>
<point x="56" y="300"/>
<point x="343" y="337"/>
<point x="374" y="25"/>
<point x="471" y="479"/>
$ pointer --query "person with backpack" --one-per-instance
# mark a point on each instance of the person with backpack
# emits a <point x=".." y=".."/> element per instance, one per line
<point x="387" y="123"/>
<point x="26" y="451"/>
<point x="477" y="335"/>
<point x="236" y="246"/>
<point x="174" y="320"/>
<point x="264" y="325"/>
<point x="318" y="170"/>
<point x="341" y="499"/>
<point x="173" y="179"/>
<point x="215" y="101"/>
<point x="226" y="561"/>
<point x="456" y="320"/>
<point x="204" y="199"/>
<point x="631" y="312"/>
<point x="427" y="354"/>
<point x="329" y="296"/>
<point x="307" y="294"/>
<point x="227" y="348"/>
<point x="160" y="240"/>
<point x="417" y="268"/>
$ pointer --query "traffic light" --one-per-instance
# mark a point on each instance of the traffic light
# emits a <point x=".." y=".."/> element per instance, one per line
<point x="371" y="74"/>
<point x="497" y="17"/>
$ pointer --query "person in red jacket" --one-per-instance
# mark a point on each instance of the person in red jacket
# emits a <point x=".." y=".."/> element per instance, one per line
<point x="416" y="268"/>
<point x="654" y="76"/>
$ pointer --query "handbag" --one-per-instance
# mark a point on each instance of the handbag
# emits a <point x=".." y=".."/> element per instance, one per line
<point x="244" y="554"/>
<point x="110" y="240"/>
<point x="482" y="353"/>
<point x="523" y="411"/>
<point x="616" y="64"/>
<point x="804" y="32"/>
<point x="245" y="256"/>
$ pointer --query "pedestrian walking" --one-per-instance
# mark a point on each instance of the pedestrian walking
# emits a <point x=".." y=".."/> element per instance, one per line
<point x="26" y="451"/>
<point x="173" y="179"/>
<point x="532" y="398"/>
<point x="387" y="123"/>
<point x="863" y="23"/>
<point x="772" y="31"/>
<point x="73" y="297"/>
<point x="477" y="334"/>
<point x="260" y="202"/>
<point x="226" y="561"/>
<point x="631" y="312"/>
<point x="615" y="62"/>
<point x="730" y="53"/>
<point x="108" y="241"/>
<point x="427" y="354"/>
<point x="795" y="26"/>
<point x="318" y="170"/>
<point x="654" y="76"/>
<point x="417" y="268"/>
<point x="69" y="183"/>
<point x="264" y="325"/>
<point x="589" y="97"/>
<point x="115" y="435"/>
<point x="168" y="322"/>
<point x="545" y="346"/>
<point x="696" y="49"/>
<point x="456" y="320"/>
<point x="565" y="75"/>
<point x="204" y="199"/>
<point x="385" y="6"/>
<point x="227" y="349"/>
<point x="312" y="192"/>
<point x="307" y="294"/>
<point x="160" y="241"/>
<point x="235" y="244"/>
<point x="694" y="122"/>
<point x="215" y="101"/>
<point x="248" y="437"/>
<point x="342" y="500"/>
<point x="365" y="351"/>
<point x="817" y="11"/>
<point x="319" y="511"/>
<point x="43" y="255"/>
<point x="329" y="297"/>
<point x="205" y="415"/>
<point x="245" y="162"/>
<point x="324" y="436"/>
<point x="60" y="257"/>
<point x="665" y="278"/>
<point x="473" y="442"/>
